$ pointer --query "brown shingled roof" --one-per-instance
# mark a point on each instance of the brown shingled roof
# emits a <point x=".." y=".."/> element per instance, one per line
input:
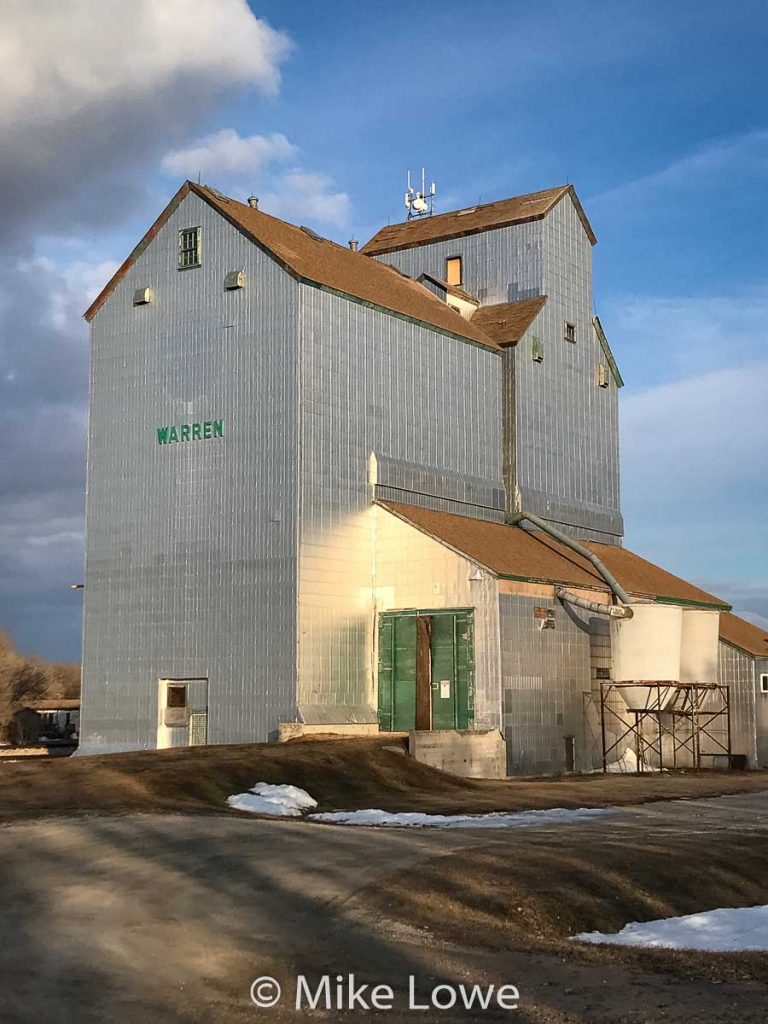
<point x="513" y="552"/>
<point x="517" y="210"/>
<point x="742" y="634"/>
<point x="322" y="262"/>
<point x="507" y="322"/>
<point x="54" y="704"/>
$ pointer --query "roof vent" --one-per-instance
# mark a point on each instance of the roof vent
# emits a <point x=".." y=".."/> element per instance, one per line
<point x="234" y="279"/>
<point x="253" y="202"/>
<point x="469" y="209"/>
<point x="311" y="233"/>
<point x="352" y="243"/>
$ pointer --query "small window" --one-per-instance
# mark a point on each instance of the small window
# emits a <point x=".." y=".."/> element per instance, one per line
<point x="189" y="248"/>
<point x="537" y="349"/>
<point x="602" y="376"/>
<point x="570" y="331"/>
<point x="177" y="696"/>
<point x="764" y="682"/>
<point x="453" y="273"/>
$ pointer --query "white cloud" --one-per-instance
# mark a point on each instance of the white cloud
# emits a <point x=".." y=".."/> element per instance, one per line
<point x="70" y="288"/>
<point x="694" y="470"/>
<point x="228" y="154"/>
<point x="92" y="92"/>
<point x="658" y="338"/>
<point x="56" y="58"/>
<point x="756" y="619"/>
<point x="238" y="165"/>
<point x="748" y="150"/>
<point x="305" y="195"/>
<point x="702" y="431"/>
<point x="695" y="442"/>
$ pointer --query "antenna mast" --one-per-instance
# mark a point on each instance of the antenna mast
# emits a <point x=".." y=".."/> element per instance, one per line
<point x="420" y="204"/>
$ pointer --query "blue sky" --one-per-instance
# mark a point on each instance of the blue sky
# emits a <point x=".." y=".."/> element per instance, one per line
<point x="655" y="111"/>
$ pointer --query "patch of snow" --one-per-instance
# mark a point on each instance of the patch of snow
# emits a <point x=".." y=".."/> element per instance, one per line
<point x="521" y="819"/>
<point x="717" y="931"/>
<point x="278" y="801"/>
<point x="290" y="796"/>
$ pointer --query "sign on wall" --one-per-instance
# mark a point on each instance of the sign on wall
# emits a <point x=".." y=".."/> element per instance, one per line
<point x="190" y="432"/>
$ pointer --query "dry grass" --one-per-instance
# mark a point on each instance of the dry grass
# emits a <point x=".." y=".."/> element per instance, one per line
<point x="346" y="774"/>
<point x="536" y="892"/>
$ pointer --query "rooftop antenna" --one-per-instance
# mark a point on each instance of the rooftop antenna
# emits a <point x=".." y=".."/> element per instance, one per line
<point x="420" y="204"/>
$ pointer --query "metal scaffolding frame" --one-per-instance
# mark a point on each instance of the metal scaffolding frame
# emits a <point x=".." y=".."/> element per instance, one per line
<point x="690" y="716"/>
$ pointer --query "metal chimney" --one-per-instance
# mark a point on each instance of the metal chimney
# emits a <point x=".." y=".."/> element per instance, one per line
<point x="353" y="244"/>
<point x="253" y="202"/>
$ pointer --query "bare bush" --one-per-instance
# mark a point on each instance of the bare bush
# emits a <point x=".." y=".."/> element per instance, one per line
<point x="25" y="679"/>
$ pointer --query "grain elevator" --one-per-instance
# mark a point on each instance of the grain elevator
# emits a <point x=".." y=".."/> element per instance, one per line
<point x="347" y="491"/>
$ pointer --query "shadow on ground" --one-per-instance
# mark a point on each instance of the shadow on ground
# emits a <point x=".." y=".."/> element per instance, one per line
<point x="152" y="918"/>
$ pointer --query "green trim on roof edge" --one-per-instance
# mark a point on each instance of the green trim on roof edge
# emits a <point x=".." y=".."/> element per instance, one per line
<point x="607" y="351"/>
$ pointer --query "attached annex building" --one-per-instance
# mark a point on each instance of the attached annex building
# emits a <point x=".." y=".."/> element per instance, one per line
<point x="311" y="521"/>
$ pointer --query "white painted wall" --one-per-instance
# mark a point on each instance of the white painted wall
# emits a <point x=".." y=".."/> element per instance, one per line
<point x="413" y="571"/>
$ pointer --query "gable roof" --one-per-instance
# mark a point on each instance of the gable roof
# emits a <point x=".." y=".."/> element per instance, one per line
<point x="321" y="262"/>
<point x="472" y="219"/>
<point x="742" y="634"/>
<point x="514" y="553"/>
<point x="507" y="322"/>
<point x="449" y="289"/>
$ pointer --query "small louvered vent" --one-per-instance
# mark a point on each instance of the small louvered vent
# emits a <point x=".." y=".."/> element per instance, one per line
<point x="234" y="279"/>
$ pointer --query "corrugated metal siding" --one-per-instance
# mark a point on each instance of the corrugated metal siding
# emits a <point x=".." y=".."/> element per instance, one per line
<point x="566" y="446"/>
<point x="502" y="265"/>
<point x="413" y="571"/>
<point x="545" y="677"/>
<point x="567" y="426"/>
<point x="191" y="547"/>
<point x="737" y="670"/>
<point x="333" y="714"/>
<point x="371" y="382"/>
<point x="429" y="487"/>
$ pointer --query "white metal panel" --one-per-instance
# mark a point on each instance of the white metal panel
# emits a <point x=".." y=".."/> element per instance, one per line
<point x="191" y="547"/>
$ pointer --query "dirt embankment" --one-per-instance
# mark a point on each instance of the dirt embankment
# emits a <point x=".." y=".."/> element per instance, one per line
<point x="535" y="891"/>
<point x="345" y="774"/>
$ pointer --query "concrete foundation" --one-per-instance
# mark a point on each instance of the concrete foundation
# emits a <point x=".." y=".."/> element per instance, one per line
<point x="295" y="730"/>
<point x="473" y="755"/>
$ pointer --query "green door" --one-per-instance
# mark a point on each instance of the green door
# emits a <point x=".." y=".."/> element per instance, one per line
<point x="397" y="673"/>
<point x="450" y="663"/>
<point x="444" y="672"/>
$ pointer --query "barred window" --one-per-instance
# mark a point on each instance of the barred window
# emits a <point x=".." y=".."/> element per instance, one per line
<point x="189" y="248"/>
<point x="569" y="331"/>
